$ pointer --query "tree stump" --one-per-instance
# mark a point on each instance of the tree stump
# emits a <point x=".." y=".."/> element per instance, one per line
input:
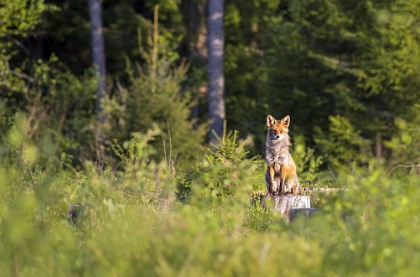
<point x="285" y="203"/>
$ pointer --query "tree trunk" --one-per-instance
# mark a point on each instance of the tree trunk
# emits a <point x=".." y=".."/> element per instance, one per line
<point x="216" y="103"/>
<point x="194" y="14"/>
<point x="98" y="54"/>
<point x="195" y="24"/>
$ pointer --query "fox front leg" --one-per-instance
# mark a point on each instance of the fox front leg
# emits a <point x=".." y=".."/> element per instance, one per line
<point x="283" y="188"/>
<point x="272" y="172"/>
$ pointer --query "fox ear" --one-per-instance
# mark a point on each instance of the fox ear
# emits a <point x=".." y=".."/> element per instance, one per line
<point x="286" y="121"/>
<point x="271" y="121"/>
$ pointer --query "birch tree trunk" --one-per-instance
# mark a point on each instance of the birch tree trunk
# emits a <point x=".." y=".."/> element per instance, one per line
<point x="216" y="81"/>
<point x="98" y="55"/>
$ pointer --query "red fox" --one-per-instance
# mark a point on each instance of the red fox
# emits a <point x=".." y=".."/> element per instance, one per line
<point x="281" y="175"/>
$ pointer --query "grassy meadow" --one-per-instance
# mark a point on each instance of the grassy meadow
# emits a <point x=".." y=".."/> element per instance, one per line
<point x="142" y="219"/>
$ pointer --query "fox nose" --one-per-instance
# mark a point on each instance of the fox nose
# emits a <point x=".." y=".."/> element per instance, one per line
<point x="277" y="136"/>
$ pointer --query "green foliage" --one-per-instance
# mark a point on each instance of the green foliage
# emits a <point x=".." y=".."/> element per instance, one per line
<point x="148" y="200"/>
<point x="155" y="97"/>
<point x="20" y="16"/>
<point x="52" y="96"/>
<point x="329" y="64"/>
<point x="343" y="142"/>
<point x="226" y="176"/>
<point x="141" y="175"/>
<point x="128" y="224"/>
<point x="54" y="101"/>
<point x="404" y="144"/>
<point x="370" y="226"/>
<point x="307" y="162"/>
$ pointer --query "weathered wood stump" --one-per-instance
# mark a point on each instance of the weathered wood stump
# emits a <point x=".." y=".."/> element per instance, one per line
<point x="286" y="203"/>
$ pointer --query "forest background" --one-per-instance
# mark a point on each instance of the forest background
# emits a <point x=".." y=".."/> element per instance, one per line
<point x="149" y="194"/>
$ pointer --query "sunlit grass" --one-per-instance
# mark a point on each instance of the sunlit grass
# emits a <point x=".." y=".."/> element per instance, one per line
<point x="130" y="222"/>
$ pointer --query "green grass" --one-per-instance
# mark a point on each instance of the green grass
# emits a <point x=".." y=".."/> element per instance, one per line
<point x="131" y="223"/>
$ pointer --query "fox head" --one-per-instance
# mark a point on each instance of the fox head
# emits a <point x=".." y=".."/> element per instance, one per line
<point x="277" y="130"/>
